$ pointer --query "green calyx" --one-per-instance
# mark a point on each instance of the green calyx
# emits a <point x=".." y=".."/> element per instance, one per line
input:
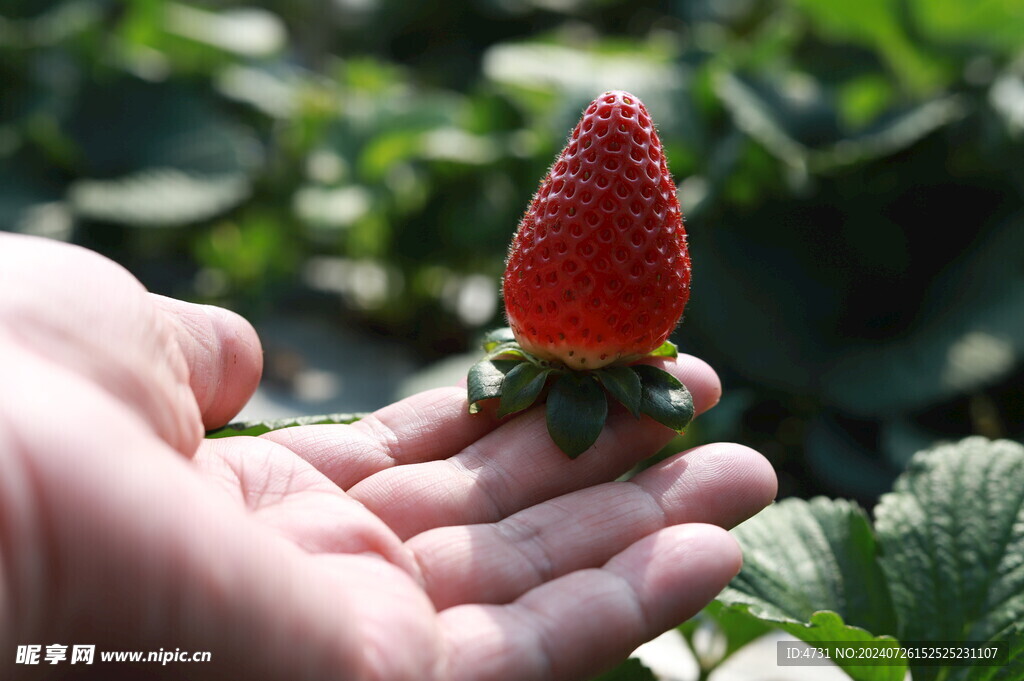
<point x="577" y="401"/>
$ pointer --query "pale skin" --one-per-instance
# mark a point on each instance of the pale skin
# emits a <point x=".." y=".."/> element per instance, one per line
<point x="420" y="543"/>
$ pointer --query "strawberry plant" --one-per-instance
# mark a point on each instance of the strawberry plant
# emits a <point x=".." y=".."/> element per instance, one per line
<point x="596" y="279"/>
<point x="941" y="564"/>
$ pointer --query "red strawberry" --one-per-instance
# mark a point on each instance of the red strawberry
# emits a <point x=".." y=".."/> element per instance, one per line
<point x="597" y="277"/>
<point x="598" y="272"/>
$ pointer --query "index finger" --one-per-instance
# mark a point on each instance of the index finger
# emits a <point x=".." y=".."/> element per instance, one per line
<point x="518" y="465"/>
<point x="431" y="426"/>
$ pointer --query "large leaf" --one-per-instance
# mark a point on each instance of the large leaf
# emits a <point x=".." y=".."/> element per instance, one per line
<point x="977" y="24"/>
<point x="808" y="135"/>
<point x="875" y="24"/>
<point x="157" y="155"/>
<point x="529" y="65"/>
<point x="952" y="537"/>
<point x="805" y="556"/>
<point x="827" y="631"/>
<point x="31" y="204"/>
<point x="1013" y="670"/>
<point x="964" y="342"/>
<point x="810" y="568"/>
<point x="158" y="197"/>
<point x="49" y="24"/>
<point x="868" y="302"/>
<point x="245" y="31"/>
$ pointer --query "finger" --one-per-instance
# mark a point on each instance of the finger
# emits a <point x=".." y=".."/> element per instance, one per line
<point x="722" y="484"/>
<point x="430" y="425"/>
<point x="223" y="354"/>
<point x="579" y="624"/>
<point x="77" y="309"/>
<point x="518" y="465"/>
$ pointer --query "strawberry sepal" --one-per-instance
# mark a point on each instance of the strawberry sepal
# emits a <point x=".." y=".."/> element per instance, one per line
<point x="664" y="398"/>
<point x="576" y="412"/>
<point x="577" y="400"/>
<point x="666" y="349"/>
<point x="522" y="386"/>
<point x="485" y="380"/>
<point x="497" y="338"/>
<point x="623" y="384"/>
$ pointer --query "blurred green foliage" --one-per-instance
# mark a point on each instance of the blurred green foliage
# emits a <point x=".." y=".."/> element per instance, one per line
<point x="851" y="173"/>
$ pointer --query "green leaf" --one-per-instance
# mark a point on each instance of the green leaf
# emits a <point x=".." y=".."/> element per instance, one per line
<point x="253" y="428"/>
<point x="30" y="203"/>
<point x="976" y="341"/>
<point x="631" y="669"/>
<point x="952" y="538"/>
<point x="1013" y="670"/>
<point x="802" y="557"/>
<point x="730" y="630"/>
<point x="577" y="409"/>
<point x="158" y="154"/>
<point x="158" y="197"/>
<point x="523" y="385"/>
<point x="506" y="350"/>
<point x="624" y="385"/>
<point x="125" y="125"/>
<point x="828" y="631"/>
<point x="828" y="627"/>
<point x="246" y="32"/>
<point x="664" y="398"/>
<point x="485" y="380"/>
<point x="992" y="24"/>
<point x="56" y="22"/>
<point x="773" y="111"/>
<point x="666" y="349"/>
<point x="874" y="24"/>
<point x="528" y="65"/>
<point x="810" y="568"/>
<point x="497" y="337"/>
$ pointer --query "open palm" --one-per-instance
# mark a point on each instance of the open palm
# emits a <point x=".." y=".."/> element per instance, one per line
<point x="418" y="543"/>
<point x="480" y="551"/>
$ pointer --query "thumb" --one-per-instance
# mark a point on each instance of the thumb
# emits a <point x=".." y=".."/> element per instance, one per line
<point x="223" y="354"/>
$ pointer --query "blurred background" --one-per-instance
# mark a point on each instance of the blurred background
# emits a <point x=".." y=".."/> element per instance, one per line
<point x="348" y="174"/>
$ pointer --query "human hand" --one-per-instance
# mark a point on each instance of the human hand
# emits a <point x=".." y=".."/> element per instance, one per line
<point x="418" y="543"/>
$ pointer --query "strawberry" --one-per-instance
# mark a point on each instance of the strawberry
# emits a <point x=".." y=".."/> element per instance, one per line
<point x="597" y="278"/>
<point x="599" y="272"/>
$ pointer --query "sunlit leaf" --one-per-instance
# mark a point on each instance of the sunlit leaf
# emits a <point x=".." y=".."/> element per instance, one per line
<point x="666" y="349"/>
<point x="952" y="540"/>
<point x="158" y="197"/>
<point x="811" y="568"/>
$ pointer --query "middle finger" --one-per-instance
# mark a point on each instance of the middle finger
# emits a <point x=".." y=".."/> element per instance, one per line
<point x="517" y="466"/>
<point x="721" y="484"/>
